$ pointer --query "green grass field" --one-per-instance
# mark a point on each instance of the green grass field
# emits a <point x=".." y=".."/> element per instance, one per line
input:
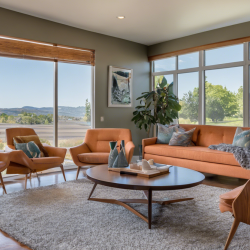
<point x="234" y="122"/>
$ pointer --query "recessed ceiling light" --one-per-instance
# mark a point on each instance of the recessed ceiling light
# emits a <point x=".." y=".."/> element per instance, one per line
<point x="121" y="17"/>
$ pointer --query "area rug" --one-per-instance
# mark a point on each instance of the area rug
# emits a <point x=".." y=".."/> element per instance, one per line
<point x="60" y="217"/>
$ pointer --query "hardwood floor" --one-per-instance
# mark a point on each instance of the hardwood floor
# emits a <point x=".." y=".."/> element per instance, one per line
<point x="8" y="243"/>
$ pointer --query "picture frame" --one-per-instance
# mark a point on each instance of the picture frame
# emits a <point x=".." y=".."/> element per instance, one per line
<point x="120" y="87"/>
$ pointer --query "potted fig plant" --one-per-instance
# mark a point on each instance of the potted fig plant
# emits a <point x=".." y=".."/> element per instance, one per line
<point x="158" y="106"/>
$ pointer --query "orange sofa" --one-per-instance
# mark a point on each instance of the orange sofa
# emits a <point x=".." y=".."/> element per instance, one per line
<point x="199" y="157"/>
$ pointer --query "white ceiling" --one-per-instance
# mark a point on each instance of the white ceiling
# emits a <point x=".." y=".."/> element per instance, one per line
<point x="147" y="21"/>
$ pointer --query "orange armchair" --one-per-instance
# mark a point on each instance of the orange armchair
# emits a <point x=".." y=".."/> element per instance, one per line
<point x="4" y="163"/>
<point x="20" y="163"/>
<point x="237" y="201"/>
<point x="95" y="149"/>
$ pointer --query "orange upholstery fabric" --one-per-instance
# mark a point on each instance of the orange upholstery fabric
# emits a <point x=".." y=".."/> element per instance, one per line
<point x="98" y="139"/>
<point x="15" y="168"/>
<point x="4" y="161"/>
<point x="48" y="160"/>
<point x="227" y="199"/>
<point x="199" y="157"/>
<point x="94" y="158"/>
<point x="196" y="153"/>
<point x="20" y="162"/>
<point x="95" y="149"/>
<point x="13" y="132"/>
<point x="206" y="167"/>
<point x="2" y="164"/>
<point x="206" y="135"/>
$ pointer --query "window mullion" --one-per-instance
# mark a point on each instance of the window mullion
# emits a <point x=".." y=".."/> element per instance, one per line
<point x="93" y="97"/>
<point x="201" y="111"/>
<point x="246" y="86"/>
<point x="55" y="115"/>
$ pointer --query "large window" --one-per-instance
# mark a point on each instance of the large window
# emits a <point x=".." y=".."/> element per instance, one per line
<point x="74" y="104"/>
<point x="212" y="85"/>
<point x="165" y="64"/>
<point x="188" y="94"/>
<point x="188" y="61"/>
<point x="28" y="99"/>
<point x="224" y="96"/>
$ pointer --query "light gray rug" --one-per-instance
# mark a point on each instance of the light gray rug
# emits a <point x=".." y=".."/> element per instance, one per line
<point x="60" y="217"/>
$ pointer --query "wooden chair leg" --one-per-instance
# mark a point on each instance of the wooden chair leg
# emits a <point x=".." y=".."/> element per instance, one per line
<point x="78" y="171"/>
<point x="26" y="179"/>
<point x="232" y="232"/>
<point x="63" y="172"/>
<point x="1" y="178"/>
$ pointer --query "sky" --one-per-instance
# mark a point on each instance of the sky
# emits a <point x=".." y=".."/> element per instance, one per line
<point x="30" y="83"/>
<point x="232" y="78"/>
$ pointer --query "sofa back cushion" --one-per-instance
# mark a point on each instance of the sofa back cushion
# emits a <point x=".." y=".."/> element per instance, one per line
<point x="98" y="139"/>
<point x="206" y="135"/>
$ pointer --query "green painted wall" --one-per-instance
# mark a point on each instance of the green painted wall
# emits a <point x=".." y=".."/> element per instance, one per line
<point x="212" y="36"/>
<point x="109" y="51"/>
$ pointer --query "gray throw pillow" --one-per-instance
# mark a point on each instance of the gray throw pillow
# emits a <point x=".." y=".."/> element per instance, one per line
<point x="181" y="138"/>
<point x="165" y="133"/>
<point x="242" y="138"/>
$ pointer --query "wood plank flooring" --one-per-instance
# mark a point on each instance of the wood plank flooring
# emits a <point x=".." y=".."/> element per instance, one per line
<point x="8" y="243"/>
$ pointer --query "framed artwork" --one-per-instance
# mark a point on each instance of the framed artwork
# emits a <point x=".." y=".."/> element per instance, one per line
<point x="120" y="87"/>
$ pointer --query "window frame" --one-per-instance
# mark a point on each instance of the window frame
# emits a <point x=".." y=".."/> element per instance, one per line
<point x="201" y="69"/>
<point x="55" y="96"/>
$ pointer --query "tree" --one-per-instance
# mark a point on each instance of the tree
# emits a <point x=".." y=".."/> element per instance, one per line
<point x="3" y="118"/>
<point x="87" y="111"/>
<point x="220" y="102"/>
<point x="226" y="98"/>
<point x="190" y="105"/>
<point x="214" y="110"/>
<point x="239" y="96"/>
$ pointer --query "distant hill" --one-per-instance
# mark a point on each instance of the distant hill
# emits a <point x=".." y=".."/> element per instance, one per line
<point x="62" y="111"/>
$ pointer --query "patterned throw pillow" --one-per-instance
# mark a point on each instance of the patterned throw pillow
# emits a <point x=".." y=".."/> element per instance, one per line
<point x="165" y="133"/>
<point x="242" y="138"/>
<point x="30" y="149"/>
<point x="182" y="138"/>
<point x="34" y="138"/>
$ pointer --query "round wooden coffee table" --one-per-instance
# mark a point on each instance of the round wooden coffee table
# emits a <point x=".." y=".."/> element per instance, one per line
<point x="177" y="178"/>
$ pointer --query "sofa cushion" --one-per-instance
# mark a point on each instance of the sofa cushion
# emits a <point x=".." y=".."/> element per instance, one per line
<point x="44" y="163"/>
<point x="196" y="153"/>
<point x="94" y="158"/>
<point x="48" y="160"/>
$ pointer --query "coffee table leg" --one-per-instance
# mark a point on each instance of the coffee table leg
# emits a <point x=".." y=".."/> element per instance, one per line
<point x="149" y="208"/>
<point x="92" y="191"/>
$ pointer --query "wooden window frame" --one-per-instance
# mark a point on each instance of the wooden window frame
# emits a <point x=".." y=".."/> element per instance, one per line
<point x="36" y="50"/>
<point x="199" y="48"/>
